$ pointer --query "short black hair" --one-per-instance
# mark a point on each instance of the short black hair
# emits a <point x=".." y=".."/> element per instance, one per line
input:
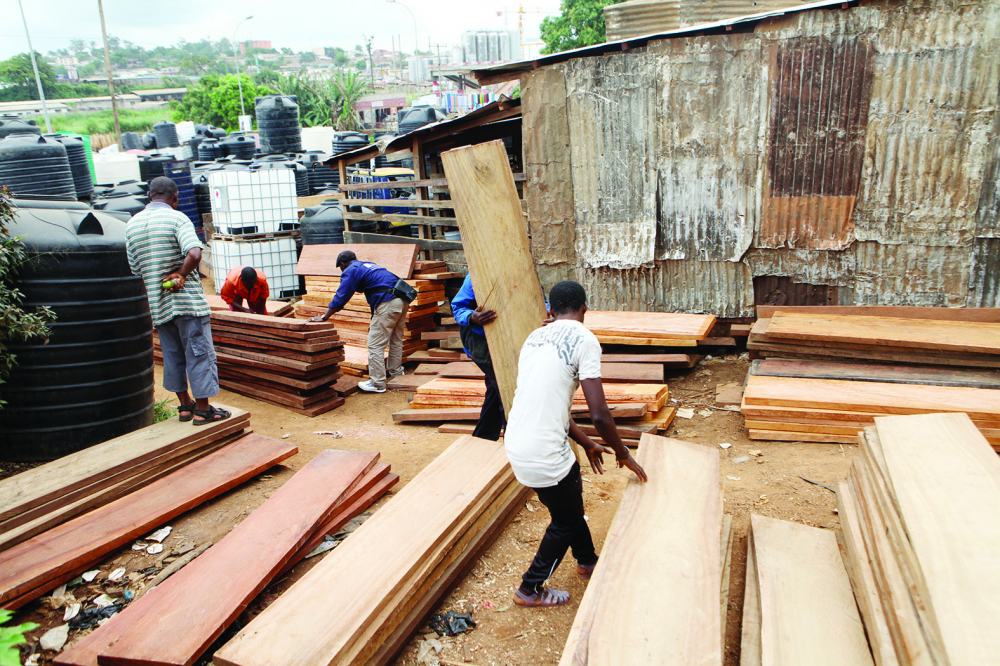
<point x="248" y="276"/>
<point x="161" y="186"/>
<point x="345" y="258"/>
<point x="567" y="296"/>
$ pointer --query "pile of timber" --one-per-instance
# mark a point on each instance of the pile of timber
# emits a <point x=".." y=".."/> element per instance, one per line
<point x="660" y="592"/>
<point x="179" y="619"/>
<point x="798" y="607"/>
<point x="45" y="561"/>
<point x="921" y="529"/>
<point x="649" y="329"/>
<point x="41" y="498"/>
<point x="831" y="402"/>
<point x="286" y="362"/>
<point x="274" y="308"/>
<point x="923" y="336"/>
<point x="364" y="600"/>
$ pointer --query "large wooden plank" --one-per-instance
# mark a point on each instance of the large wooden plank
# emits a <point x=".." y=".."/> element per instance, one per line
<point x="946" y="483"/>
<point x="83" y="472"/>
<point x="388" y="555"/>
<point x="949" y="314"/>
<point x="666" y="325"/>
<point x="251" y="320"/>
<point x="358" y="238"/>
<point x="807" y="609"/>
<point x="750" y="654"/>
<point x="935" y="335"/>
<point x="322" y="259"/>
<point x="666" y="535"/>
<point x="877" y="372"/>
<point x="35" y="563"/>
<point x="667" y="360"/>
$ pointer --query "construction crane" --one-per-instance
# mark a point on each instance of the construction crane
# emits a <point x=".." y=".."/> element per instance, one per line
<point x="521" y="11"/>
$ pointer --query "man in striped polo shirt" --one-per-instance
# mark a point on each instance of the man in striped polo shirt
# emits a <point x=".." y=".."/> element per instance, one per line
<point x="163" y="248"/>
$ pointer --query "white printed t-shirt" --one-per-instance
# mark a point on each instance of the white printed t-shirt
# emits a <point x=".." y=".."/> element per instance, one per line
<point x="553" y="360"/>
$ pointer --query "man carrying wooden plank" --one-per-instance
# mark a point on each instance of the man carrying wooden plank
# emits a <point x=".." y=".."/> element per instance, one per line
<point x="471" y="318"/>
<point x="163" y="250"/>
<point x="389" y="298"/>
<point x="249" y="284"/>
<point x="554" y="360"/>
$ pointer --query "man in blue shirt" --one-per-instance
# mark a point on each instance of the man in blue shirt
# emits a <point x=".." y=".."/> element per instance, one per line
<point x="388" y="315"/>
<point x="471" y="318"/>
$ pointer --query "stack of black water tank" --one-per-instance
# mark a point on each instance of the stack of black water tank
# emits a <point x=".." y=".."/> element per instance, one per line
<point x="34" y="166"/>
<point x="282" y="162"/>
<point x="238" y="146"/>
<point x="179" y="171"/>
<point x="92" y="379"/>
<point x="76" y="152"/>
<point x="418" y="116"/>
<point x="318" y="174"/>
<point x="344" y="142"/>
<point x="151" y="166"/>
<point x="382" y="160"/>
<point x="166" y="134"/>
<point x="322" y="224"/>
<point x="209" y="149"/>
<point x="126" y="198"/>
<point x="278" y="124"/>
<point x="148" y="141"/>
<point x="15" y="125"/>
<point x="131" y="141"/>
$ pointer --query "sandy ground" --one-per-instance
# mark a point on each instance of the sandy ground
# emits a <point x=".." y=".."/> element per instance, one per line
<point x="768" y="484"/>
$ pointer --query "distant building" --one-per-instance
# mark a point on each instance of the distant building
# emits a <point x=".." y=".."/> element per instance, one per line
<point x="255" y="44"/>
<point x="420" y="66"/>
<point x="161" y="94"/>
<point x="490" y="46"/>
<point x="319" y="51"/>
<point x="66" y="61"/>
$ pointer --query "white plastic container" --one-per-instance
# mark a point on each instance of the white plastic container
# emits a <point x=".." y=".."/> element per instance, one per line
<point x="114" y="168"/>
<point x="318" y="138"/>
<point x="255" y="201"/>
<point x="274" y="256"/>
<point x="185" y="130"/>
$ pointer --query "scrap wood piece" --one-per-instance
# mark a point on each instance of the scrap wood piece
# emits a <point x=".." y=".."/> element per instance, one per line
<point x="807" y="609"/>
<point x="379" y="567"/>
<point x="667" y="535"/>
<point x="397" y="258"/>
<point x="34" y="564"/>
<point x="727" y="395"/>
<point x="61" y="481"/>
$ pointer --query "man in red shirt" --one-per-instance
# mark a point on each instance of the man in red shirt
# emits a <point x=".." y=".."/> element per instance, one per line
<point x="246" y="283"/>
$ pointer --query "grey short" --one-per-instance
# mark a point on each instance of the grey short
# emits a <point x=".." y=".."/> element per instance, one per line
<point x="189" y="356"/>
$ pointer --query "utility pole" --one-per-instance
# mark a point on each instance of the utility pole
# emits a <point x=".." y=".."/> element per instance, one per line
<point x="371" y="61"/>
<point x="111" y="78"/>
<point x="34" y="66"/>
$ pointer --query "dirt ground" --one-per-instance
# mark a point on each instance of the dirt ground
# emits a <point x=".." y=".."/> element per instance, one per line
<point x="768" y="484"/>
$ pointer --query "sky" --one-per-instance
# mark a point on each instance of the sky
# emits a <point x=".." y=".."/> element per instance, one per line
<point x="298" y="24"/>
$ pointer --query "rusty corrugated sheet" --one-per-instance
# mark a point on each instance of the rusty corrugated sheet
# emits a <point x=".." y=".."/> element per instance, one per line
<point x="779" y="290"/>
<point x="988" y="211"/>
<point x="819" y="115"/>
<point x="611" y="111"/>
<point x="707" y="146"/>
<point x="984" y="286"/>
<point x="722" y="288"/>
<point x="914" y="275"/>
<point x="805" y="266"/>
<point x="647" y="17"/>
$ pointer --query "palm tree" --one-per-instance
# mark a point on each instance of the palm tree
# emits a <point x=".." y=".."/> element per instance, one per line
<point x="349" y="87"/>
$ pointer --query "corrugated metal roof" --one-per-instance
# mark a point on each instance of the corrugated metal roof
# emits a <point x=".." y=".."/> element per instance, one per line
<point x="915" y="275"/>
<point x="644" y="17"/>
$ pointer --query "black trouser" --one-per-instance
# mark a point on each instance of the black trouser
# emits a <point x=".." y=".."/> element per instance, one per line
<point x="491" y="417"/>
<point x="568" y="529"/>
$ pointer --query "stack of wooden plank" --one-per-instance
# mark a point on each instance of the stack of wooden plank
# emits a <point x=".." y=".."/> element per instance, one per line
<point x="43" y="497"/>
<point x="178" y="620"/>
<point x="274" y="308"/>
<point x="925" y="336"/>
<point x="668" y="534"/>
<point x="807" y="409"/>
<point x="798" y="607"/>
<point x="363" y="601"/>
<point x="43" y="562"/>
<point x="922" y="530"/>
<point x="649" y="329"/>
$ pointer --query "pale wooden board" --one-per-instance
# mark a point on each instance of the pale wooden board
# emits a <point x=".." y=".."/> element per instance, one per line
<point x="656" y="325"/>
<point x="397" y="258"/>
<point x="808" y="612"/>
<point x="399" y="544"/>
<point x="666" y="535"/>
<point x="750" y="630"/>
<point x="937" y="335"/>
<point x="726" y="558"/>
<point x="952" y="314"/>
<point x="946" y="480"/>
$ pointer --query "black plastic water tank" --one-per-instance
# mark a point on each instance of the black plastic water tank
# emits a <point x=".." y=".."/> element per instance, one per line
<point x="382" y="160"/>
<point x="239" y="146"/>
<point x="345" y="141"/>
<point x="322" y="224"/>
<point x="418" y="116"/>
<point x="93" y="380"/>
<point x="179" y="171"/>
<point x="76" y="152"/>
<point x="122" y="202"/>
<point x="132" y="187"/>
<point x="34" y="166"/>
<point x="131" y="141"/>
<point x="322" y="177"/>
<point x="15" y="125"/>
<point x="166" y="134"/>
<point x="278" y="124"/>
<point x="151" y="166"/>
<point x="209" y="149"/>
<point x="149" y="141"/>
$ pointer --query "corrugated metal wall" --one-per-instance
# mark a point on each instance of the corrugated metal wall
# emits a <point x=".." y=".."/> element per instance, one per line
<point x="648" y="17"/>
<point x="852" y="155"/>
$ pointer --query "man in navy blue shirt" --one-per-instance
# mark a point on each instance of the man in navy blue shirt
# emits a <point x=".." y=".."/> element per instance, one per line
<point x="388" y="315"/>
<point x="471" y="318"/>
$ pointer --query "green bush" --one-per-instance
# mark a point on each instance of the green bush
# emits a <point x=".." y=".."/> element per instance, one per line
<point x="11" y="638"/>
<point x="102" y="122"/>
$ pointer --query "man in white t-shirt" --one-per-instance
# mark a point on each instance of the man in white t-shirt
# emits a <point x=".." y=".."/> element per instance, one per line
<point x="554" y="361"/>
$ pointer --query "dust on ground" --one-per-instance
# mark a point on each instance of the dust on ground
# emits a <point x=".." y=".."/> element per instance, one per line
<point x="767" y="484"/>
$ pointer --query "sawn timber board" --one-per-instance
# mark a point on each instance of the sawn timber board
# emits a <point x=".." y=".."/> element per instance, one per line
<point x="949" y="314"/>
<point x="397" y="258"/>
<point x="656" y="325"/>
<point x="877" y="372"/>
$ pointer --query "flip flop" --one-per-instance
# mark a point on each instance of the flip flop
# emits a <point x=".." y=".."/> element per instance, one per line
<point x="544" y="598"/>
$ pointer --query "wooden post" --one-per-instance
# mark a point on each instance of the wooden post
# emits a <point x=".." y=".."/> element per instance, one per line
<point x="420" y="173"/>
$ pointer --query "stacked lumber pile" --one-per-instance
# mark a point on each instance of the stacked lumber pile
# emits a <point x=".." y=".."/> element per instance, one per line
<point x="921" y="530"/>
<point x="786" y="407"/>
<point x="389" y="575"/>
<point x="668" y="534"/>
<point x="45" y="561"/>
<point x="41" y="498"/>
<point x="798" y="607"/>
<point x="274" y="308"/>
<point x="178" y="620"/>
<point x="924" y="336"/>
<point x="649" y="329"/>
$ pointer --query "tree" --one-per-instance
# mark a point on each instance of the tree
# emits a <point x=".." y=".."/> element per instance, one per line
<point x="20" y="77"/>
<point x="307" y="56"/>
<point x="361" y="65"/>
<point x="286" y="51"/>
<point x="216" y="100"/>
<point x="580" y="24"/>
<point x="349" y="88"/>
<point x="195" y="65"/>
<point x="77" y="46"/>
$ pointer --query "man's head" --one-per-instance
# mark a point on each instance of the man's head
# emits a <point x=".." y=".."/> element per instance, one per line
<point x="345" y="258"/>
<point x="164" y="190"/>
<point x="248" y="276"/>
<point x="568" y="300"/>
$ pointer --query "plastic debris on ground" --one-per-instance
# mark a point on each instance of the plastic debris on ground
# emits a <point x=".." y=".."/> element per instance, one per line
<point x="32" y="660"/>
<point x="741" y="459"/>
<point x="117" y="574"/>
<point x="91" y="616"/>
<point x="330" y="541"/>
<point x="140" y="545"/>
<point x="90" y="575"/>
<point x="428" y="651"/>
<point x="155" y="549"/>
<point x="705" y="412"/>
<point x="685" y="412"/>
<point x="103" y="601"/>
<point x="336" y="434"/>
<point x="733" y="478"/>
<point x="72" y="610"/>
<point x="159" y="535"/>
<point x="286" y="435"/>
<point x="725" y="445"/>
<point x="55" y="639"/>
<point x="451" y="623"/>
